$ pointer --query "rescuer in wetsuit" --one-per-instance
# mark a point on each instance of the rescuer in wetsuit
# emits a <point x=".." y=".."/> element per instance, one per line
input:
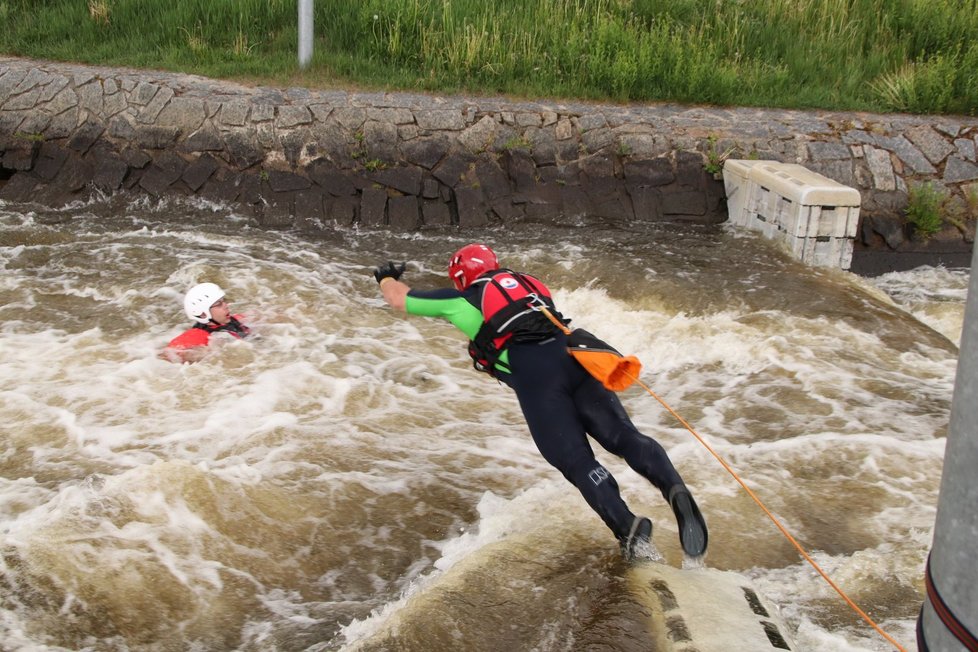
<point x="561" y="401"/>
<point x="206" y="304"/>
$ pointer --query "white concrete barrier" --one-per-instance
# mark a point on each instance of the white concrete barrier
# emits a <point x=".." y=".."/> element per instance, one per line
<point x="815" y="217"/>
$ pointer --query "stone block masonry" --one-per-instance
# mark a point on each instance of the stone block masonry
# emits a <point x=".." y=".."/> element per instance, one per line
<point x="310" y="159"/>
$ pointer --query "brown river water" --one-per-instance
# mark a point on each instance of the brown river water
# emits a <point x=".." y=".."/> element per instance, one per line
<point x="323" y="485"/>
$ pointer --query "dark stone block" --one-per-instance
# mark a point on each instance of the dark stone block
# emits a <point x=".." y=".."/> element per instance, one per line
<point x="575" y="202"/>
<point x="75" y="174"/>
<point x="163" y="173"/>
<point x="430" y="190"/>
<point x="597" y="166"/>
<point x="278" y="211"/>
<point x="684" y="202"/>
<point x="436" y="212"/>
<point x="888" y="203"/>
<point x="614" y="205"/>
<point x="329" y="178"/>
<point x="19" y="159"/>
<point x="342" y="210"/>
<point x="85" y="136"/>
<point x="49" y="162"/>
<point x="492" y="179"/>
<point x="373" y="205"/>
<point x="548" y="175"/>
<point x="132" y="179"/>
<point x="506" y="210"/>
<point x="647" y="203"/>
<point x="136" y="158"/>
<point x="569" y="173"/>
<point x="543" y="147"/>
<point x="522" y="171"/>
<point x="607" y="198"/>
<point x="548" y="213"/>
<point x="19" y="188"/>
<point x="426" y="152"/>
<point x="403" y="212"/>
<point x="689" y="169"/>
<point x="453" y="168"/>
<point x="656" y="172"/>
<point x="243" y="151"/>
<point x="472" y="208"/>
<point x="406" y="179"/>
<point x="892" y="231"/>
<point x="199" y="171"/>
<point x="205" y="139"/>
<point x="568" y="150"/>
<point x="153" y="137"/>
<point x="287" y="181"/>
<point x="57" y="194"/>
<point x="180" y="188"/>
<point x="249" y="189"/>
<point x="110" y="172"/>
<point x="541" y="194"/>
<point x="309" y="210"/>
<point x="841" y="171"/>
<point x="220" y="190"/>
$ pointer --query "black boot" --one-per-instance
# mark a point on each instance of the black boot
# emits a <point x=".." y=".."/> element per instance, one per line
<point x="639" y="535"/>
<point x="692" y="528"/>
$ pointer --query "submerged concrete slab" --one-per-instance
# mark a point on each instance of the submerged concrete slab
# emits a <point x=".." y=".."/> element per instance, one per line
<point x="707" y="610"/>
<point x="559" y="586"/>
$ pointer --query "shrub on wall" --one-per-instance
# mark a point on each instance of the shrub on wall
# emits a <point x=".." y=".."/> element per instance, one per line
<point x="924" y="206"/>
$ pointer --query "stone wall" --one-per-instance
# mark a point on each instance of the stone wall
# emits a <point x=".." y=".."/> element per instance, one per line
<point x="309" y="159"/>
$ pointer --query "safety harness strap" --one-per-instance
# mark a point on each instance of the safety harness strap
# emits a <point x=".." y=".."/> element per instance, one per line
<point x="520" y="318"/>
<point x="234" y="327"/>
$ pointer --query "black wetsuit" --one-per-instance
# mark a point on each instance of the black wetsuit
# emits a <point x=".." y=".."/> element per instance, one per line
<point x="562" y="403"/>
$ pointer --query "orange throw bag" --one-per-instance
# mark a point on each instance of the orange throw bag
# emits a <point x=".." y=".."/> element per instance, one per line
<point x="600" y="359"/>
<point x="603" y="361"/>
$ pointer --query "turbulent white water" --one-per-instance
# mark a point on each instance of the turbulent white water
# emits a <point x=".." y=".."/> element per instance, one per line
<point x="297" y="490"/>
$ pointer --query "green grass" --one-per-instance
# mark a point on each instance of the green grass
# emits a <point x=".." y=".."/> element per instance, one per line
<point x="925" y="207"/>
<point x="877" y="55"/>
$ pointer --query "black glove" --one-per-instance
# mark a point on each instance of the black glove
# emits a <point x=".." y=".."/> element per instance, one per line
<point x="389" y="270"/>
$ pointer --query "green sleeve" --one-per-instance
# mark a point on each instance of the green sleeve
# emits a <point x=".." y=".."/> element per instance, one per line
<point x="457" y="310"/>
<point x="453" y="308"/>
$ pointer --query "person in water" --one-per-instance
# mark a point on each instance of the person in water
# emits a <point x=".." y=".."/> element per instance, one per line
<point x="513" y="341"/>
<point x="207" y="305"/>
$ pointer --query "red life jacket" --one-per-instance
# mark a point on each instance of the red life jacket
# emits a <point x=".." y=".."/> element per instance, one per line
<point x="200" y="334"/>
<point x="507" y="300"/>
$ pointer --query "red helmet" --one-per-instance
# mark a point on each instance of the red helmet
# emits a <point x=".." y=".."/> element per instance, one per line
<point x="469" y="263"/>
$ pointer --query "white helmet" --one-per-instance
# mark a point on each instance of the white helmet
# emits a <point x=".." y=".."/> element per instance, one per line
<point x="197" y="304"/>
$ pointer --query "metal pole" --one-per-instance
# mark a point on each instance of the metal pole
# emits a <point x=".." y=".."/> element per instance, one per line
<point x="305" y="32"/>
<point x="953" y="571"/>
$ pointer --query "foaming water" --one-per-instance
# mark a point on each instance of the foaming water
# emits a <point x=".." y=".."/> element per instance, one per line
<point x="344" y="480"/>
<point x="934" y="295"/>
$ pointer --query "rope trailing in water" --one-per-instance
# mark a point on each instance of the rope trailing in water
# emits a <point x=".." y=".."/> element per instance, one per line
<point x="773" y="518"/>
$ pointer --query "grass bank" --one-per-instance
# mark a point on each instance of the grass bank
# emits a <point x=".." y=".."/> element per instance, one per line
<point x="918" y="56"/>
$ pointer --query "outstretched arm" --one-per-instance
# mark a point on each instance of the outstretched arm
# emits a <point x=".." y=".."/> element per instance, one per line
<point x="394" y="291"/>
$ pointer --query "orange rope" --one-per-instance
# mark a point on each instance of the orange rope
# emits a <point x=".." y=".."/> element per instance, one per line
<point x="772" y="517"/>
